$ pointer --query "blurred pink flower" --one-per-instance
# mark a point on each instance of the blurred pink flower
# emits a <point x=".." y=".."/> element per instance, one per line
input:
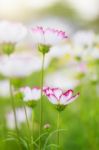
<point x="58" y="97"/>
<point x="47" y="36"/>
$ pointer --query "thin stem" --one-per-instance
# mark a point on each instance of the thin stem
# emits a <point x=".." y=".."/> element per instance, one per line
<point x="27" y="119"/>
<point x="41" y="107"/>
<point x="13" y="107"/>
<point x="58" y="128"/>
<point x="32" y="129"/>
<point x="28" y="125"/>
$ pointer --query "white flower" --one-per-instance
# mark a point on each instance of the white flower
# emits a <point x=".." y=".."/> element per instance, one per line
<point x="29" y="94"/>
<point x="20" y="65"/>
<point x="11" y="32"/>
<point x="83" y="38"/>
<point x="20" y="116"/>
<point x="58" y="97"/>
<point x="47" y="36"/>
<point x="67" y="79"/>
<point x="60" y="50"/>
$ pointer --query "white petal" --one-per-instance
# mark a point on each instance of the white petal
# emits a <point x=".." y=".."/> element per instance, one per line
<point x="72" y="99"/>
<point x="57" y="92"/>
<point x="53" y="99"/>
<point x="36" y="93"/>
<point x="62" y="100"/>
<point x="50" y="37"/>
<point x="38" y="35"/>
<point x="27" y="94"/>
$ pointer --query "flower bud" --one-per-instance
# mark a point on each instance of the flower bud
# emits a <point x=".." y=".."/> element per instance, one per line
<point x="47" y="126"/>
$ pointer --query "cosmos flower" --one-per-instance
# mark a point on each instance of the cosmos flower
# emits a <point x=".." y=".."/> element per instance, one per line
<point x="30" y="95"/>
<point x="20" y="116"/>
<point x="59" y="98"/>
<point x="10" y="34"/>
<point x="15" y="64"/>
<point x="60" y="51"/>
<point x="83" y="38"/>
<point x="65" y="77"/>
<point x="47" y="37"/>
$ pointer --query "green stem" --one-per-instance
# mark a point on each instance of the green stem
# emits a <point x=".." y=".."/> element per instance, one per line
<point x="58" y="133"/>
<point x="41" y="107"/>
<point x="32" y="130"/>
<point x="13" y="107"/>
<point x="28" y="125"/>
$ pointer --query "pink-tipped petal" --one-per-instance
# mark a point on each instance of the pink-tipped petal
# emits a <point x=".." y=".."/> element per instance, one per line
<point x="47" y="91"/>
<point x="57" y="92"/>
<point x="48" y="36"/>
<point x="52" y="99"/>
<point x="72" y="99"/>
<point x="68" y="94"/>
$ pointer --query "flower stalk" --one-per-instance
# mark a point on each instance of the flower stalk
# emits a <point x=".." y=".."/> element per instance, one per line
<point x="28" y="125"/>
<point x="58" y="128"/>
<point x="14" y="112"/>
<point x="41" y="103"/>
<point x="32" y="137"/>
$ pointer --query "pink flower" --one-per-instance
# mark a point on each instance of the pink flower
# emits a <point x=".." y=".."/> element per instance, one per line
<point x="47" y="36"/>
<point x="58" y="97"/>
<point x="30" y="94"/>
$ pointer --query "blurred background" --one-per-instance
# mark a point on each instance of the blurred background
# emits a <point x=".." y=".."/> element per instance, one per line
<point x="75" y="64"/>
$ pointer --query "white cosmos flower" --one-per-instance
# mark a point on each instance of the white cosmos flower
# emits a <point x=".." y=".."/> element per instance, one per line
<point x="60" y="50"/>
<point x="58" y="97"/>
<point x="83" y="38"/>
<point x="61" y="79"/>
<point x="20" y="65"/>
<point x="47" y="36"/>
<point x="30" y="94"/>
<point x="20" y="116"/>
<point x="11" y="32"/>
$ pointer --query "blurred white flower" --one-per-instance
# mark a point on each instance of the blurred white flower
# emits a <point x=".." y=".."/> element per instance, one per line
<point x="20" y="65"/>
<point x="83" y="38"/>
<point x="30" y="94"/>
<point x="61" y="79"/>
<point x="95" y="53"/>
<point x="11" y="32"/>
<point x="86" y="9"/>
<point x="4" y="84"/>
<point x="54" y="22"/>
<point x="20" y="116"/>
<point x="60" y="50"/>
